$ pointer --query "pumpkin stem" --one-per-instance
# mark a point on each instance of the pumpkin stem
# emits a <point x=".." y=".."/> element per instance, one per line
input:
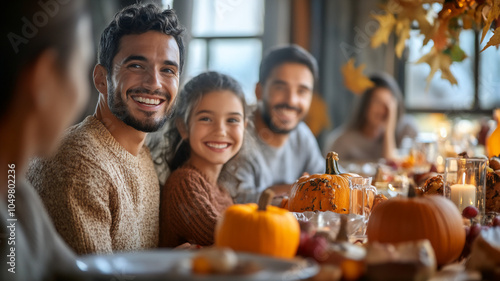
<point x="411" y="191"/>
<point x="332" y="166"/>
<point x="342" y="235"/>
<point x="265" y="199"/>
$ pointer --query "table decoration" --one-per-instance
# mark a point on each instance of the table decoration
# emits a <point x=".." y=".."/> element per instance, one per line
<point x="260" y="229"/>
<point x="323" y="192"/>
<point x="432" y="217"/>
<point x="465" y="180"/>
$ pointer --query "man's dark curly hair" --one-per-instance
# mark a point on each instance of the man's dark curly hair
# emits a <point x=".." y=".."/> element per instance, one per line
<point x="138" y="19"/>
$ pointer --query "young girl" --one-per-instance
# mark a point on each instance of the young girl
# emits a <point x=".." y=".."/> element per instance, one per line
<point x="204" y="133"/>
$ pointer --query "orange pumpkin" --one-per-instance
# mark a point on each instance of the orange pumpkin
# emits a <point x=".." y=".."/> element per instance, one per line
<point x="261" y="229"/>
<point x="284" y="203"/>
<point x="411" y="218"/>
<point x="322" y="192"/>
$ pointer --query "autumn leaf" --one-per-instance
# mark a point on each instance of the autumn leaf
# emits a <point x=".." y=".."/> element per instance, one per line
<point x="456" y="53"/>
<point x="438" y="61"/>
<point x="493" y="13"/>
<point x="425" y="27"/>
<point x="403" y="33"/>
<point x="440" y="38"/>
<point x="494" y="40"/>
<point x="398" y="18"/>
<point x="354" y="79"/>
<point x="381" y="36"/>
<point x="472" y="18"/>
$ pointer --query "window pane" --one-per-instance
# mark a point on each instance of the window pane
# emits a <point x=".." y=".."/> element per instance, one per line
<point x="239" y="58"/>
<point x="167" y="4"/>
<point x="489" y="76"/>
<point x="196" y="59"/>
<point x="227" y="17"/>
<point x="440" y="94"/>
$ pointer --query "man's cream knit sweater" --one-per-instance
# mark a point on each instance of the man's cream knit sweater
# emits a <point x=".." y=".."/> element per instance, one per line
<point x="101" y="198"/>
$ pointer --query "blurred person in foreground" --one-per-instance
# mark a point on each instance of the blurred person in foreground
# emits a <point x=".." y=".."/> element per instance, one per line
<point x="377" y="127"/>
<point x="285" y="146"/>
<point x="101" y="188"/>
<point x="46" y="56"/>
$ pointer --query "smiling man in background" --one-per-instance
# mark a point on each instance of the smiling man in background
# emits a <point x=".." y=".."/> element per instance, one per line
<point x="101" y="189"/>
<point x="285" y="146"/>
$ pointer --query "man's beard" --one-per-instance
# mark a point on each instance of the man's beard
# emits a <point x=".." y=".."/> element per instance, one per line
<point x="119" y="108"/>
<point x="266" y="116"/>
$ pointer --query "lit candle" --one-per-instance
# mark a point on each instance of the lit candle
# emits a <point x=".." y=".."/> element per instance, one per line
<point x="463" y="195"/>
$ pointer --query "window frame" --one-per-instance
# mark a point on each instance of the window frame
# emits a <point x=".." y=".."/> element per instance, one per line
<point x="208" y="39"/>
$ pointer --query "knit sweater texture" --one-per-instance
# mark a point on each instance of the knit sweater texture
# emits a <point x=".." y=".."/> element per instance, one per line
<point x="190" y="208"/>
<point x="101" y="198"/>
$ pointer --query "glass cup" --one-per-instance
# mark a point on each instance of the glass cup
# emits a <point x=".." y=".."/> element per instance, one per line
<point x="465" y="183"/>
<point x="368" y="196"/>
<point x="425" y="153"/>
<point x="360" y="193"/>
<point x="398" y="185"/>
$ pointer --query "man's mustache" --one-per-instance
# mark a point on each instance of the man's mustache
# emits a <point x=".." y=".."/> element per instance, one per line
<point x="157" y="93"/>
<point x="286" y="106"/>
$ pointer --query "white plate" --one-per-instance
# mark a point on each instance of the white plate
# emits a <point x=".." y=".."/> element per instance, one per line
<point x="172" y="265"/>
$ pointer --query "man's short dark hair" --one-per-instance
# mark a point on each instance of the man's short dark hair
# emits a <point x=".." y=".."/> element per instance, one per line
<point x="138" y="19"/>
<point x="289" y="54"/>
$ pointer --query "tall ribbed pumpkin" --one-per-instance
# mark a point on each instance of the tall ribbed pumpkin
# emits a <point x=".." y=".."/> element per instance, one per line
<point x="431" y="217"/>
<point x="261" y="229"/>
<point x="322" y="192"/>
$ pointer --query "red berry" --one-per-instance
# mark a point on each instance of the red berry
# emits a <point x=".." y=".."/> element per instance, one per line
<point x="473" y="232"/>
<point x="314" y="247"/>
<point x="303" y="238"/>
<point x="496" y="221"/>
<point x="470" y="212"/>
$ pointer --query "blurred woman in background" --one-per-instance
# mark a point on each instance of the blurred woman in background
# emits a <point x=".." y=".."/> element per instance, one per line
<point x="377" y="127"/>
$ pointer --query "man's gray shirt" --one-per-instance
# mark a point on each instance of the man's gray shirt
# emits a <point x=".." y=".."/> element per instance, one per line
<point x="266" y="166"/>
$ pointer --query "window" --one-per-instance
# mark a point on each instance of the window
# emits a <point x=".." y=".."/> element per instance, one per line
<point x="489" y="76"/>
<point x="227" y="37"/>
<point x="440" y="95"/>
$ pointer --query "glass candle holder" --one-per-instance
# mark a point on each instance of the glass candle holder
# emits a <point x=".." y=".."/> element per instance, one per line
<point x="465" y="183"/>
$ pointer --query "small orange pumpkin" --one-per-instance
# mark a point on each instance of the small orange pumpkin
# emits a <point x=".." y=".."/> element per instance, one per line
<point x="261" y="229"/>
<point x="432" y="217"/>
<point x="322" y="192"/>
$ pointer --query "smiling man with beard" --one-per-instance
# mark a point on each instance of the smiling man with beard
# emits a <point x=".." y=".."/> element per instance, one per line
<point x="101" y="188"/>
<point x="285" y="147"/>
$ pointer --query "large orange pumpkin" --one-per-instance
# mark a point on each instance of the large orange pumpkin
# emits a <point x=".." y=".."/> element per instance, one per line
<point x="260" y="229"/>
<point x="431" y="217"/>
<point x="322" y="192"/>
